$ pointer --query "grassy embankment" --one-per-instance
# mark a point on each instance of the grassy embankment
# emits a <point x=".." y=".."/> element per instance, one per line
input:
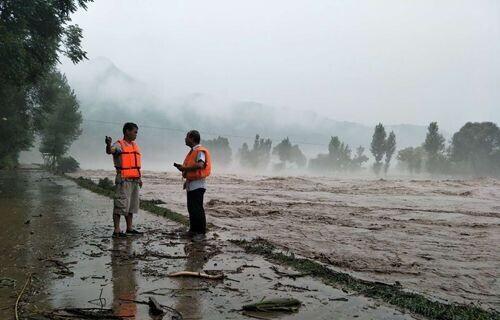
<point x="390" y="293"/>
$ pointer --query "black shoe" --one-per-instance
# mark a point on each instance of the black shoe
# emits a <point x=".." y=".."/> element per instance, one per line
<point x="118" y="235"/>
<point x="134" y="232"/>
<point x="197" y="237"/>
<point x="187" y="234"/>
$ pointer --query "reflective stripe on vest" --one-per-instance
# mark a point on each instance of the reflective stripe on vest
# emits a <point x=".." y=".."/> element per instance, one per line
<point x="130" y="160"/>
<point x="190" y="161"/>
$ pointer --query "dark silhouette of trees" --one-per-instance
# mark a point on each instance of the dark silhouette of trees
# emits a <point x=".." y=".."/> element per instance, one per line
<point x="477" y="145"/>
<point x="381" y="146"/>
<point x="359" y="159"/>
<point x="220" y="150"/>
<point x="434" y="148"/>
<point x="287" y="152"/>
<point x="412" y="159"/>
<point x="258" y="156"/>
<point x="338" y="158"/>
<point x="59" y="124"/>
<point x="377" y="147"/>
<point x="390" y="148"/>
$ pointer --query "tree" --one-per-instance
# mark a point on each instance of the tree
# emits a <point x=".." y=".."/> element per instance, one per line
<point x="359" y="158"/>
<point x="390" y="148"/>
<point x="338" y="157"/>
<point x="60" y="123"/>
<point x="286" y="152"/>
<point x="339" y="154"/>
<point x="220" y="150"/>
<point x="68" y="164"/>
<point x="297" y="156"/>
<point x="411" y="159"/>
<point x="260" y="154"/>
<point x="244" y="155"/>
<point x="434" y="146"/>
<point x="478" y="145"/>
<point x="15" y="117"/>
<point x="32" y="35"/>
<point x="283" y="149"/>
<point x="378" y="147"/>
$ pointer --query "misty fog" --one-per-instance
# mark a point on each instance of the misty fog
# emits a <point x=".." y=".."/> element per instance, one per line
<point x="307" y="71"/>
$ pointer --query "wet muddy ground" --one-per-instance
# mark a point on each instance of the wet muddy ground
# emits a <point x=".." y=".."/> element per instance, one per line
<point x="436" y="237"/>
<point x="59" y="234"/>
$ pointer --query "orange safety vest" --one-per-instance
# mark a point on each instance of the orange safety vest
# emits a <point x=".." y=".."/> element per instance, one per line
<point x="191" y="161"/>
<point x="130" y="160"/>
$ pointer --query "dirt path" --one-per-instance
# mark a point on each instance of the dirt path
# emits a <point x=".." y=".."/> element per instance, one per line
<point x="66" y="245"/>
<point x="439" y="238"/>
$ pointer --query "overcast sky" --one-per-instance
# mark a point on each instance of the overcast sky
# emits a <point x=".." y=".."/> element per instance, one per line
<point x="410" y="61"/>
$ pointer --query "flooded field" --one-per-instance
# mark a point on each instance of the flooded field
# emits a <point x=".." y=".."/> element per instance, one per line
<point x="436" y="237"/>
<point x="58" y="235"/>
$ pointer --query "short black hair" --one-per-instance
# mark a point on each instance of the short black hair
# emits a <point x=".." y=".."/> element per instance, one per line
<point x="129" y="126"/>
<point x="195" y="135"/>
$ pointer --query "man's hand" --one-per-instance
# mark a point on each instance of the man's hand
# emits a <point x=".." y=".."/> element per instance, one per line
<point x="108" y="141"/>
<point x="179" y="167"/>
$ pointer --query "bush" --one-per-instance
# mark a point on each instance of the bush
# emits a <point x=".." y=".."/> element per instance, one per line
<point x="106" y="184"/>
<point x="68" y="164"/>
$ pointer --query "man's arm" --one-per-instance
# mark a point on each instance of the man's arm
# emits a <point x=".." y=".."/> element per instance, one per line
<point x="199" y="165"/>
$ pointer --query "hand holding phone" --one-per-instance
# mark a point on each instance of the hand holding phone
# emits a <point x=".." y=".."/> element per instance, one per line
<point x="178" y="166"/>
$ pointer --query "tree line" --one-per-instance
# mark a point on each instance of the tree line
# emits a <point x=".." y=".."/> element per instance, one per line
<point x="36" y="101"/>
<point x="473" y="150"/>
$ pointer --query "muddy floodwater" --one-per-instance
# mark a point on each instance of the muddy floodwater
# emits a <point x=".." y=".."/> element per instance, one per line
<point x="437" y="237"/>
<point x="58" y="235"/>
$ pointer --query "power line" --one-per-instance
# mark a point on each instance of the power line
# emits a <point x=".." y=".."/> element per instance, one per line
<point x="203" y="132"/>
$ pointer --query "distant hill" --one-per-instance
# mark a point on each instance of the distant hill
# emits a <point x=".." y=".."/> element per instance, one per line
<point x="107" y="94"/>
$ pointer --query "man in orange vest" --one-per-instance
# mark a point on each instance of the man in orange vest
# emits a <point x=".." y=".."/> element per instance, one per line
<point x="127" y="161"/>
<point x="196" y="168"/>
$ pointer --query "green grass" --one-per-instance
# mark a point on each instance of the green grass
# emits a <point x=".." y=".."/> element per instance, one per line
<point x="392" y="294"/>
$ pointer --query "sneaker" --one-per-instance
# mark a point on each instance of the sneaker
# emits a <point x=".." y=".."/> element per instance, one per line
<point x="134" y="232"/>
<point x="119" y="235"/>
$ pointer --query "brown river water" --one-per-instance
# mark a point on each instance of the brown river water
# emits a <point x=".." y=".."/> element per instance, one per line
<point x="436" y="237"/>
<point x="60" y="235"/>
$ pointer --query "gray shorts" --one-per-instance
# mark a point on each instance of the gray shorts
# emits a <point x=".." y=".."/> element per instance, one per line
<point x="126" y="198"/>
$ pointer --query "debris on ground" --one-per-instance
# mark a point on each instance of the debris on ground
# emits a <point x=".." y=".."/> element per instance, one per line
<point x="196" y="274"/>
<point x="288" y="274"/>
<point x="62" y="267"/>
<point x="83" y="313"/>
<point x="277" y="304"/>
